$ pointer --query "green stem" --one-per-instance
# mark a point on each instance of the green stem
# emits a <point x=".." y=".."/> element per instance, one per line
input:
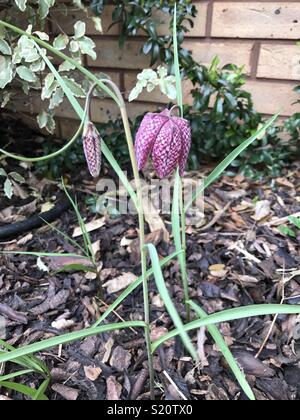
<point x="184" y="273"/>
<point x="141" y="219"/>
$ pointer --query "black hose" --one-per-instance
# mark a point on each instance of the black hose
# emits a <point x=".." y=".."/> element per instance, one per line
<point x="14" y="229"/>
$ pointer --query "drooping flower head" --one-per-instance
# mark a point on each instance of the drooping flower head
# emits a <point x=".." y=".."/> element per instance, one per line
<point x="167" y="138"/>
<point x="92" y="148"/>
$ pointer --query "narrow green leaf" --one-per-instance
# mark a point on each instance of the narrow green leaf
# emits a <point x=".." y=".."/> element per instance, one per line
<point x="230" y="315"/>
<point x="131" y="288"/>
<point x="67" y="338"/>
<point x="39" y="395"/>
<point x="162" y="288"/>
<point x="67" y="237"/>
<point x="15" y="375"/>
<point x="219" y="340"/>
<point x="23" y="389"/>
<point x="86" y="236"/>
<point x="230" y="158"/>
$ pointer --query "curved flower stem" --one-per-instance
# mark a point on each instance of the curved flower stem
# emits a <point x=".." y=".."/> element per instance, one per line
<point x="141" y="218"/>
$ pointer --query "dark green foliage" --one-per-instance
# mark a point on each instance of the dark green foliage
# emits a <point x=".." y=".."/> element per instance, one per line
<point x="222" y="115"/>
<point x="68" y="161"/>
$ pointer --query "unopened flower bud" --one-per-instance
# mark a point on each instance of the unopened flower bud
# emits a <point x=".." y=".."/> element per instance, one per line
<point x="92" y="148"/>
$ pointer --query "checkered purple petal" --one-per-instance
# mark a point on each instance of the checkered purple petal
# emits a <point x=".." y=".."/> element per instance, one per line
<point x="146" y="136"/>
<point x="186" y="141"/>
<point x="167" y="149"/>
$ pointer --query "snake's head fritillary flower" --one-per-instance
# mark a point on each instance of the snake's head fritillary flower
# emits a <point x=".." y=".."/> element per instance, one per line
<point x="167" y="138"/>
<point x="92" y="148"/>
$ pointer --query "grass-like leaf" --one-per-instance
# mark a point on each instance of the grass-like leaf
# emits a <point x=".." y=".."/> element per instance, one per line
<point x="229" y="315"/>
<point x="23" y="389"/>
<point x="162" y="288"/>
<point x="85" y="234"/>
<point x="15" y="375"/>
<point x="219" y="340"/>
<point x="66" y="338"/>
<point x="138" y="282"/>
<point x="229" y="159"/>
<point x="66" y="237"/>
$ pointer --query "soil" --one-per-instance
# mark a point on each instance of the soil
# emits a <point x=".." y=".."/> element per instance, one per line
<point x="236" y="257"/>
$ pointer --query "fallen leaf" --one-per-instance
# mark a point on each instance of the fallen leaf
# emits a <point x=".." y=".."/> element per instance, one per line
<point x="247" y="279"/>
<point x="154" y="238"/>
<point x="90" y="227"/>
<point x="96" y="247"/>
<point x="19" y="191"/>
<point x="262" y="210"/>
<point x="119" y="283"/>
<point x="154" y="220"/>
<point x="108" y="348"/>
<point x="25" y="239"/>
<point x="218" y="270"/>
<point x="41" y="265"/>
<point x="157" y="301"/>
<point x="285" y="183"/>
<point x="126" y="242"/>
<point x="252" y="365"/>
<point x="90" y="275"/>
<point x="47" y="207"/>
<point x="70" y="263"/>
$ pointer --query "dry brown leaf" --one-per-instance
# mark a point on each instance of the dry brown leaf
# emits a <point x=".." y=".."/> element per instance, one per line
<point x="25" y="239"/>
<point x="47" y="206"/>
<point x="119" y="283"/>
<point x="218" y="270"/>
<point x="154" y="220"/>
<point x="19" y="191"/>
<point x="157" y="301"/>
<point x="285" y="183"/>
<point x="153" y="238"/>
<point x="108" y="347"/>
<point x="96" y="247"/>
<point x="90" y="227"/>
<point x="262" y="210"/>
<point x="57" y="263"/>
<point x="126" y="242"/>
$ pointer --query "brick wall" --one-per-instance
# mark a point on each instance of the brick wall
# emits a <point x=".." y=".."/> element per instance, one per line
<point x="261" y="35"/>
